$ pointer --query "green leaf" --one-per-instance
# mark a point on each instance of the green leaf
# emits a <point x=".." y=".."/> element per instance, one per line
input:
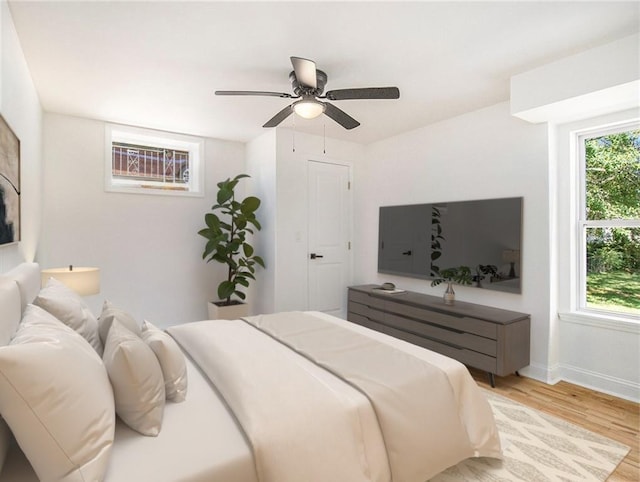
<point x="224" y="195"/>
<point x="255" y="223"/>
<point x="212" y="221"/>
<point x="243" y="282"/>
<point x="259" y="260"/>
<point x="250" y="205"/>
<point x="248" y="249"/>
<point x="225" y="289"/>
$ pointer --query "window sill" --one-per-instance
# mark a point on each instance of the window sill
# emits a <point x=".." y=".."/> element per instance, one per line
<point x="152" y="190"/>
<point x="629" y="324"/>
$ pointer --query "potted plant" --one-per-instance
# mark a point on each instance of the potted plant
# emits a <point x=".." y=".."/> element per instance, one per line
<point x="227" y="226"/>
<point x="482" y="270"/>
<point x="460" y="275"/>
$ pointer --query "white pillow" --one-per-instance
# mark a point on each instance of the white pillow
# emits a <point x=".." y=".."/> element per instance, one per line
<point x="109" y="312"/>
<point x="67" y="306"/>
<point x="56" y="398"/>
<point x="136" y="377"/>
<point x="171" y="358"/>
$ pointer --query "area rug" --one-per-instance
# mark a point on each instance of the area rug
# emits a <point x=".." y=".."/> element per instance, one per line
<point x="537" y="448"/>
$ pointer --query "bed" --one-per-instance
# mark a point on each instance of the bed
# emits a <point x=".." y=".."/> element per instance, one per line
<point x="338" y="423"/>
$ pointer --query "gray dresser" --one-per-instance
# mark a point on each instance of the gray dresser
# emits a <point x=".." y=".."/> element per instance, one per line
<point x="490" y="339"/>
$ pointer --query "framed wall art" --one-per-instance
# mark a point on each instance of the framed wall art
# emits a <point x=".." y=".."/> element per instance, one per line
<point x="9" y="185"/>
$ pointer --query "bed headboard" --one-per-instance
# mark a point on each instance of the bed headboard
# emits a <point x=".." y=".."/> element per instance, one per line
<point x="18" y="288"/>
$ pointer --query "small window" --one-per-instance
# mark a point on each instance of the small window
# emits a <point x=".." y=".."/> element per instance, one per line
<point x="609" y="221"/>
<point x="153" y="162"/>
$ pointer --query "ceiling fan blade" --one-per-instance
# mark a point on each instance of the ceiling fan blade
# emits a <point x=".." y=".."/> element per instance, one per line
<point x="364" y="93"/>
<point x="253" y="92"/>
<point x="341" y="117"/>
<point x="279" y="117"/>
<point x="305" y="70"/>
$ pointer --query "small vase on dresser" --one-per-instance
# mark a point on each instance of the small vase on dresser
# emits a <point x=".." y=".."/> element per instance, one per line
<point x="449" y="295"/>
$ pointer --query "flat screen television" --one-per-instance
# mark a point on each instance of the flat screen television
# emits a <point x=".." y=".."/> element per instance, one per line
<point x="413" y="239"/>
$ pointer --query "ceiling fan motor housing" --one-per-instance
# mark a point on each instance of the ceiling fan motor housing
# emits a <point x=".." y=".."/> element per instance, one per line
<point x="304" y="90"/>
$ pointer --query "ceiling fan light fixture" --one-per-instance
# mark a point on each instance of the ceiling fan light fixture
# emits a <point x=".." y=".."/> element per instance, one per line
<point x="309" y="108"/>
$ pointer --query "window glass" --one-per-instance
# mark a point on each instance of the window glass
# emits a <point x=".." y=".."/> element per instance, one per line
<point x="152" y="162"/>
<point x="612" y="176"/>
<point x="610" y="222"/>
<point x="613" y="269"/>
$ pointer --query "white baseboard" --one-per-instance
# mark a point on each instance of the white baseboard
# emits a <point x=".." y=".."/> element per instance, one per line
<point x="600" y="382"/>
<point x="544" y="374"/>
<point x="595" y="381"/>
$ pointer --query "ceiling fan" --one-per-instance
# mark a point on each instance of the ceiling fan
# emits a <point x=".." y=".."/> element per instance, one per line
<point x="308" y="84"/>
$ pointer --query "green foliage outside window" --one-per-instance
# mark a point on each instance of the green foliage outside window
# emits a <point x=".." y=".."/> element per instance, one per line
<point x="613" y="193"/>
<point x="613" y="176"/>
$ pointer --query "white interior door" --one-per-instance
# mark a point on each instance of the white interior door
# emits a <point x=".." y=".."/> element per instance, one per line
<point x="329" y="237"/>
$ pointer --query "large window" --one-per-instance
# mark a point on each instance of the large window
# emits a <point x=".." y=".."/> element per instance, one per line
<point x="152" y="162"/>
<point x="609" y="221"/>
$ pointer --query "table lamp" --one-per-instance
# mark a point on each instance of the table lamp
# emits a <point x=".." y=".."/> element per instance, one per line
<point x="511" y="256"/>
<point x="84" y="281"/>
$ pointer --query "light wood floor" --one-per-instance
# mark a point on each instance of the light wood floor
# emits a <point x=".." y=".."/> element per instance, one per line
<point x="604" y="414"/>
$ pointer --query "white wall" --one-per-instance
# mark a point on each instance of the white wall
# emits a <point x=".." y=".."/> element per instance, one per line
<point x="146" y="246"/>
<point x="20" y="107"/>
<point x="479" y="155"/>
<point x="261" y="165"/>
<point x="598" y="81"/>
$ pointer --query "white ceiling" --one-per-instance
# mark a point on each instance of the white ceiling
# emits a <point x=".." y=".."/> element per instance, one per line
<point x="157" y="64"/>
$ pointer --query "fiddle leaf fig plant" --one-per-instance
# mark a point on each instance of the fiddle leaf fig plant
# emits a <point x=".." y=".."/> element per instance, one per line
<point x="227" y="226"/>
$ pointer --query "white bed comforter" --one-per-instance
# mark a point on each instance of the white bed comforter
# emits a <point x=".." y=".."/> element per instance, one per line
<point x="306" y="424"/>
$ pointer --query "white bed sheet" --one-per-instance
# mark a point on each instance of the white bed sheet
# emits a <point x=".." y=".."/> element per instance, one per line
<point x="199" y="442"/>
<point x="307" y="424"/>
<point x="477" y="415"/>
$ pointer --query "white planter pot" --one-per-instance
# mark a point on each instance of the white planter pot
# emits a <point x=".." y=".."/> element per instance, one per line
<point x="232" y="312"/>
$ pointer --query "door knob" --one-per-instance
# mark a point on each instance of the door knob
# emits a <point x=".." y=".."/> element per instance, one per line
<point x="314" y="256"/>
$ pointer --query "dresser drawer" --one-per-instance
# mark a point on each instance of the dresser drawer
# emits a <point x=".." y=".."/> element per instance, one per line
<point x="366" y="299"/>
<point x="365" y="311"/>
<point x="448" y="336"/>
<point x="460" y="323"/>
<point x="363" y="320"/>
<point x="467" y="357"/>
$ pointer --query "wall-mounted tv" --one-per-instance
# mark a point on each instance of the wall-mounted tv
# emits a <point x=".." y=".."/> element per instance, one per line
<point x="475" y="234"/>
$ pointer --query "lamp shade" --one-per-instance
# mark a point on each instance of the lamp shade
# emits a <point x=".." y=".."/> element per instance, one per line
<point x="84" y="281"/>
<point x="308" y="108"/>
<point x="511" y="255"/>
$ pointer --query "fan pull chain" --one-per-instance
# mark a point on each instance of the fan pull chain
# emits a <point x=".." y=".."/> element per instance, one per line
<point x="293" y="138"/>
<point x="324" y="138"/>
